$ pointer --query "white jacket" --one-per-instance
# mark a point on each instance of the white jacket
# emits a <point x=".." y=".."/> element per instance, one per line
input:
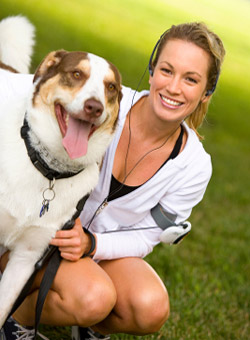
<point x="178" y="186"/>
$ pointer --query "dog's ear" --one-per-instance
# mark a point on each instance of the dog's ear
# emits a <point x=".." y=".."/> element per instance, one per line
<point x="120" y="95"/>
<point x="49" y="62"/>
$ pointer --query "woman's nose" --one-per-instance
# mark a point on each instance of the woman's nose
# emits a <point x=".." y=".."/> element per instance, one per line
<point x="174" y="85"/>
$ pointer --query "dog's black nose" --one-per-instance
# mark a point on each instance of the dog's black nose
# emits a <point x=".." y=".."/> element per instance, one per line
<point x="93" y="108"/>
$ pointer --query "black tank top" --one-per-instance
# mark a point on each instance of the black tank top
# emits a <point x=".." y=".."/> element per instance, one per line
<point x="117" y="189"/>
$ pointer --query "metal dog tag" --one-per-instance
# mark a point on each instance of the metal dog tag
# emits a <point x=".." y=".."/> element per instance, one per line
<point x="45" y="208"/>
<point x="48" y="195"/>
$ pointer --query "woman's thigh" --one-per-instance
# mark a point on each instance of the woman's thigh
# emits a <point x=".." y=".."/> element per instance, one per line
<point x="142" y="300"/>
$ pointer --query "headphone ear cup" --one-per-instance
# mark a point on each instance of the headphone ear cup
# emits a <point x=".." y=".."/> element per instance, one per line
<point x="150" y="70"/>
<point x="211" y="91"/>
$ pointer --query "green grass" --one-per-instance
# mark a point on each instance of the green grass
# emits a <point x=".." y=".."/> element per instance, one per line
<point x="207" y="275"/>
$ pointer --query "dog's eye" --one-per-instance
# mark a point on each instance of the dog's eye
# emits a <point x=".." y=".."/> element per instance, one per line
<point x="111" y="87"/>
<point x="77" y="75"/>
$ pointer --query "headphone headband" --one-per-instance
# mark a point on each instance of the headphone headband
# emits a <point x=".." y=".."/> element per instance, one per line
<point x="150" y="68"/>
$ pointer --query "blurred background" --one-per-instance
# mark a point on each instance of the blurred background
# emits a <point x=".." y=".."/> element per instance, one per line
<point x="207" y="275"/>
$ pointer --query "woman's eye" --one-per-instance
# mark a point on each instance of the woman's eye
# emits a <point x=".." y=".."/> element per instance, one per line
<point x="76" y="74"/>
<point x="191" y="80"/>
<point x="166" y="70"/>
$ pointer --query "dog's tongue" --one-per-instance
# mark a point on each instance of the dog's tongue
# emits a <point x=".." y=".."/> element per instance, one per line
<point x="75" y="140"/>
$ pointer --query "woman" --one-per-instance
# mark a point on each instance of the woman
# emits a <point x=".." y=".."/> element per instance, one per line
<point x="155" y="157"/>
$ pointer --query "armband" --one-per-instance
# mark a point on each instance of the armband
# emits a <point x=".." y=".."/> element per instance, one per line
<point x="172" y="233"/>
<point x="93" y="242"/>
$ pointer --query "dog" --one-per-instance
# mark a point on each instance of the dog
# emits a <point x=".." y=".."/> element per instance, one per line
<point x="69" y="117"/>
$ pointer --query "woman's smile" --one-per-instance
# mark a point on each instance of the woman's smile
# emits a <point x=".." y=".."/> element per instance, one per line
<point x="170" y="103"/>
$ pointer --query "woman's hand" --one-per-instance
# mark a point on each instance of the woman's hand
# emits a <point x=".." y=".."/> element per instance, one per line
<point x="72" y="243"/>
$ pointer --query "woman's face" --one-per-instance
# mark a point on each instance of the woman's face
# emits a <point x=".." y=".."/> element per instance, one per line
<point x="179" y="80"/>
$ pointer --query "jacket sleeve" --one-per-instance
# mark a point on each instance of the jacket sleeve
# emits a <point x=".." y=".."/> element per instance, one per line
<point x="128" y="243"/>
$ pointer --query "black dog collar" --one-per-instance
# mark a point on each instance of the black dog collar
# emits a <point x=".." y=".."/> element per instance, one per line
<point x="38" y="162"/>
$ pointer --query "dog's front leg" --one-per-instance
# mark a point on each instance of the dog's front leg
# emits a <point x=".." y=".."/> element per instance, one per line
<point x="16" y="274"/>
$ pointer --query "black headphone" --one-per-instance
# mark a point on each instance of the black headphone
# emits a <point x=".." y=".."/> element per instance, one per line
<point x="150" y="68"/>
<point x="211" y="91"/>
<point x="151" y="72"/>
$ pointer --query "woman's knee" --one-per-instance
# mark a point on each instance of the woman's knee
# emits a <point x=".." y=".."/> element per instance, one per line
<point x="94" y="303"/>
<point x="151" y="311"/>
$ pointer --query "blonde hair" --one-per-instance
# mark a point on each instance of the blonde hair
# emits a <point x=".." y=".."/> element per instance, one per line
<point x="200" y="35"/>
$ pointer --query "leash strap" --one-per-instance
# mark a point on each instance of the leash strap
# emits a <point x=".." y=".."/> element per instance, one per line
<point x="45" y="286"/>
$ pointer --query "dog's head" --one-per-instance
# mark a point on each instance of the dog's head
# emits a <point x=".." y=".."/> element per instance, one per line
<point x="81" y="93"/>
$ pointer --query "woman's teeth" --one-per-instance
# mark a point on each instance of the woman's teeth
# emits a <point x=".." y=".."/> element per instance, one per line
<point x="170" y="101"/>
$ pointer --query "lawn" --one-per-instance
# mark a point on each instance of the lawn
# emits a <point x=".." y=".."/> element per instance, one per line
<point x="207" y="275"/>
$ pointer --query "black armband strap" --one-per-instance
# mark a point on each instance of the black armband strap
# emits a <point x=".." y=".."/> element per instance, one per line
<point x="93" y="242"/>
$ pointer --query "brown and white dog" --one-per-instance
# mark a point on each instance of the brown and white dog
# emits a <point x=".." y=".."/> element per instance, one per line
<point x="71" y="115"/>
